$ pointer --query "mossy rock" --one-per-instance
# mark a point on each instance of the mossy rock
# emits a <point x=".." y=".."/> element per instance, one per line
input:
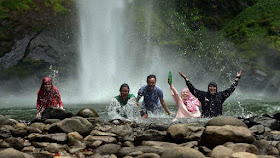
<point x="87" y="112"/>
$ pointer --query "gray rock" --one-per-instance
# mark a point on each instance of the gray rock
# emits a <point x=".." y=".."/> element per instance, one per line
<point x="145" y="149"/>
<point x="74" y="124"/>
<point x="148" y="155"/>
<point x="55" y="148"/>
<point x="17" y="143"/>
<point x="56" y="138"/>
<point x="183" y="133"/>
<point x="225" y="120"/>
<point x="19" y="132"/>
<point x="182" y="152"/>
<point x="51" y="121"/>
<point x="218" y="135"/>
<point x="17" y="53"/>
<point x="4" y="133"/>
<point x="55" y="113"/>
<point x="4" y="120"/>
<point x="108" y="149"/>
<point x="149" y="135"/>
<point x="106" y="139"/>
<point x="243" y="147"/>
<point x="221" y="151"/>
<point x="265" y="148"/>
<point x="12" y="153"/>
<point x="87" y="112"/>
<point x="257" y="129"/>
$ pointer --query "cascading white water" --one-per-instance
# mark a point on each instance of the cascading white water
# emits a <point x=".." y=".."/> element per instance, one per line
<point x="108" y="57"/>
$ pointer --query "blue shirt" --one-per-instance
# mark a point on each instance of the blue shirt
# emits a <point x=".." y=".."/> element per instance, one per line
<point x="151" y="98"/>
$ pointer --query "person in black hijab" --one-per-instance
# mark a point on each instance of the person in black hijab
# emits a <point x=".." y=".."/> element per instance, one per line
<point x="212" y="100"/>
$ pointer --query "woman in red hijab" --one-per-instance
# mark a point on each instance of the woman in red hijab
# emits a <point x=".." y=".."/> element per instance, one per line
<point x="48" y="96"/>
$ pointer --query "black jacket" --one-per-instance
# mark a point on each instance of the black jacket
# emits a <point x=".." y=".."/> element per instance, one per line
<point x="211" y="103"/>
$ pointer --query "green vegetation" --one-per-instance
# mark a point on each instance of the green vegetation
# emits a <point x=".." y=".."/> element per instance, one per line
<point x="26" y="67"/>
<point x="220" y="33"/>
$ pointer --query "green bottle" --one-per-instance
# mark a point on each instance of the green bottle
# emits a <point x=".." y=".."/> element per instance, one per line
<point x="170" y="77"/>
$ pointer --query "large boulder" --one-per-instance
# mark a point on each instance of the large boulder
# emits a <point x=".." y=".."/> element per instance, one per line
<point x="218" y="135"/>
<point x="182" y="152"/>
<point x="221" y="151"/>
<point x="5" y="121"/>
<point x="12" y="153"/>
<point x="87" y="112"/>
<point x="225" y="120"/>
<point x="266" y="148"/>
<point x="55" y="113"/>
<point x="78" y="124"/>
<point x="184" y="132"/>
<point x="144" y="149"/>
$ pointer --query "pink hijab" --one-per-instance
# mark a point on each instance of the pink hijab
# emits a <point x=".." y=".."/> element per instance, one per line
<point x="191" y="102"/>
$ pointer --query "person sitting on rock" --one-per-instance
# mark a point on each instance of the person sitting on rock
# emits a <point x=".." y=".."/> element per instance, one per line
<point x="48" y="96"/>
<point x="187" y="104"/>
<point x="123" y="105"/>
<point x="212" y="100"/>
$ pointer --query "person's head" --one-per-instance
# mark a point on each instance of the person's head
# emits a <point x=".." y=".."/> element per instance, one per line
<point x="212" y="87"/>
<point x="124" y="90"/>
<point x="185" y="93"/>
<point x="151" y="81"/>
<point x="47" y="84"/>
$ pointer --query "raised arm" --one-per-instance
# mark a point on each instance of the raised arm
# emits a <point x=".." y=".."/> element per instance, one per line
<point x="197" y="93"/>
<point x="226" y="93"/>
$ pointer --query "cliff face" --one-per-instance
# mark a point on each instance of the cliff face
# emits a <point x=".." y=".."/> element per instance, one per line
<point x="37" y="38"/>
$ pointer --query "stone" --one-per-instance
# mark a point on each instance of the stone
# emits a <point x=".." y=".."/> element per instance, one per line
<point x="225" y="120"/>
<point x="183" y="133"/>
<point x="12" y="153"/>
<point x="243" y="147"/>
<point x="105" y="139"/>
<point x="108" y="149"/>
<point x="125" y="151"/>
<point x="243" y="155"/>
<point x="265" y="148"/>
<point x="4" y="133"/>
<point x="4" y="120"/>
<point x="182" y="152"/>
<point x="55" y="113"/>
<point x="87" y="112"/>
<point x="218" y="135"/>
<point x="221" y="151"/>
<point x="74" y="124"/>
<point x="17" y="143"/>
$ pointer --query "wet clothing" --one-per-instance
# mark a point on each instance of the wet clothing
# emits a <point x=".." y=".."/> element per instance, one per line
<point x="124" y="102"/>
<point x="50" y="98"/>
<point x="151" y="100"/>
<point x="122" y="107"/>
<point x="211" y="103"/>
<point x="185" y="108"/>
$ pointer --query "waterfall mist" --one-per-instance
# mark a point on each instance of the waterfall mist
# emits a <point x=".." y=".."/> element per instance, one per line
<point x="111" y="53"/>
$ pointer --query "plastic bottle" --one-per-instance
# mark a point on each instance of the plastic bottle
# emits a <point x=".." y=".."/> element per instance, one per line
<point x="170" y="77"/>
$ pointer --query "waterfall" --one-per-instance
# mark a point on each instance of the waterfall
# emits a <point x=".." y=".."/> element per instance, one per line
<point x="110" y="56"/>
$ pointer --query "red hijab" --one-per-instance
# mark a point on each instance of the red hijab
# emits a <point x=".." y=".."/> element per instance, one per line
<point x="48" y="98"/>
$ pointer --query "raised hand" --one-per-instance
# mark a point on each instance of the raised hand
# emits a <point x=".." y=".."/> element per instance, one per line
<point x="238" y="75"/>
<point x="184" y="76"/>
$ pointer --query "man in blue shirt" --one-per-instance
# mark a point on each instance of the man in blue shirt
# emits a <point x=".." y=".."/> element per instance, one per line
<point x="153" y="98"/>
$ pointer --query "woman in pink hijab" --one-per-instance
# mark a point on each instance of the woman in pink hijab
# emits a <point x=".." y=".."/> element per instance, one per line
<point x="48" y="96"/>
<point x="187" y="104"/>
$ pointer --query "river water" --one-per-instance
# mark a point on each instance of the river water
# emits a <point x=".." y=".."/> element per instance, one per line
<point x="243" y="108"/>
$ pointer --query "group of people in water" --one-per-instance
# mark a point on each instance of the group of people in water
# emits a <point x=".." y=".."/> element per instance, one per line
<point x="188" y="101"/>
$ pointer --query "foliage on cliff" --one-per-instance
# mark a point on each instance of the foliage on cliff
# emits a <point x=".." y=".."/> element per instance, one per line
<point x="218" y="33"/>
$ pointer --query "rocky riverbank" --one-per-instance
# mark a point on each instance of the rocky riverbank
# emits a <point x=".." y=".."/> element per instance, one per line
<point x="62" y="134"/>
